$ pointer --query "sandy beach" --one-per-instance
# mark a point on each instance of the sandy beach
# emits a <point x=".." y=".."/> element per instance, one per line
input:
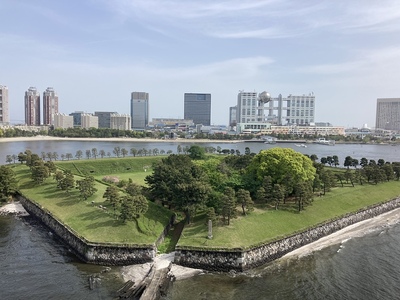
<point x="121" y="139"/>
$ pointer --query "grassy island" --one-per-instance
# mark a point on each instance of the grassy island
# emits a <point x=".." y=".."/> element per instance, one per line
<point x="303" y="194"/>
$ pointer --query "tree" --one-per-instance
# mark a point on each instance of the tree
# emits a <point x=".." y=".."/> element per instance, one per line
<point x="244" y="199"/>
<point x="314" y="157"/>
<point x="8" y="183"/>
<point x="79" y="154"/>
<point x="348" y="161"/>
<point x="324" y="161"/>
<point x="112" y="195"/>
<point x="102" y="153"/>
<point x="68" y="156"/>
<point x="117" y="151"/>
<point x="124" y="152"/>
<point x="39" y="172"/>
<point x="197" y="152"/>
<point x="228" y="200"/>
<point x="9" y="159"/>
<point x="179" y="183"/>
<point x="67" y="182"/>
<point x="94" y="153"/>
<point x="278" y="194"/>
<point x="86" y="187"/>
<point x="304" y="195"/>
<point x="335" y="160"/>
<point x="133" y="151"/>
<point x="279" y="163"/>
<point x="133" y="207"/>
<point x="88" y="154"/>
<point x="363" y="162"/>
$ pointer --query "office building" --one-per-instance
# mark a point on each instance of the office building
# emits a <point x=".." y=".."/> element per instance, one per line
<point x="104" y="118"/>
<point x="89" y="121"/>
<point x="232" y="116"/>
<point x="388" y="113"/>
<point x="77" y="117"/>
<point x="197" y="107"/>
<point x="300" y="109"/>
<point x="32" y="107"/>
<point x="139" y="110"/>
<point x="248" y="109"/>
<point x="4" y="112"/>
<point x="63" y="121"/>
<point x="50" y="106"/>
<point x="120" y="121"/>
<point x="292" y="110"/>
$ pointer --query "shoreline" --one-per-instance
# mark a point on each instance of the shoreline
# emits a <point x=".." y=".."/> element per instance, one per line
<point x="137" y="272"/>
<point x="113" y="139"/>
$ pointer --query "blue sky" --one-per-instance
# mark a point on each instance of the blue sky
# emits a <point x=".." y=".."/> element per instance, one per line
<point x="96" y="52"/>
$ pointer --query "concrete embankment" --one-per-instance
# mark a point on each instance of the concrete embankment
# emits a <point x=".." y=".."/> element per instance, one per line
<point x="241" y="260"/>
<point x="95" y="253"/>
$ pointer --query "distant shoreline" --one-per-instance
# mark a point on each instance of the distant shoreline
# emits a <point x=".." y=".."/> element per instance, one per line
<point x="113" y="139"/>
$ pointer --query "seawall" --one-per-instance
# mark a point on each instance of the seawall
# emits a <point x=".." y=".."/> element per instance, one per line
<point x="90" y="252"/>
<point x="244" y="259"/>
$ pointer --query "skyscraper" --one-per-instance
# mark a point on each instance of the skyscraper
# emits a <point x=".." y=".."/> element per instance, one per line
<point x="197" y="107"/>
<point x="139" y="110"/>
<point x="248" y="109"/>
<point x="50" y="106"/>
<point x="4" y="113"/>
<point x="388" y="113"/>
<point x="32" y="107"/>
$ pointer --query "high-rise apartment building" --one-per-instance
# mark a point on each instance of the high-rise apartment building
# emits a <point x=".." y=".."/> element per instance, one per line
<point x="388" y="113"/>
<point x="50" y="106"/>
<point x="139" y="110"/>
<point x="197" y="107"/>
<point x="104" y="118"/>
<point x="4" y="113"/>
<point x="32" y="107"/>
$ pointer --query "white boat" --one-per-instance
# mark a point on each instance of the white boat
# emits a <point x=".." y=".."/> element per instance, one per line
<point x="323" y="141"/>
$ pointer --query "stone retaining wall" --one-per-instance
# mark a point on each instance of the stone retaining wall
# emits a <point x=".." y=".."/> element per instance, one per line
<point x="95" y="253"/>
<point x="241" y="260"/>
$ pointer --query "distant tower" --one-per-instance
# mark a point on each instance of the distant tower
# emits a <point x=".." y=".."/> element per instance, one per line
<point x="32" y="107"/>
<point x="139" y="110"/>
<point x="4" y="113"/>
<point x="197" y="107"/>
<point x="388" y="113"/>
<point x="50" y="106"/>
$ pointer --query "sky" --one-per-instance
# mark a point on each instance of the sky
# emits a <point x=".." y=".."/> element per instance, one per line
<point x="94" y="53"/>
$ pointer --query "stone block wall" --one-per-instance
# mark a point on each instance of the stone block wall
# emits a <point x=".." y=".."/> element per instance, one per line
<point x="241" y="260"/>
<point x="95" y="253"/>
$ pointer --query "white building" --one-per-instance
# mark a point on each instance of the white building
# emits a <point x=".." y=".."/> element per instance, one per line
<point x="120" y="121"/>
<point x="293" y="110"/>
<point x="63" y="121"/>
<point x="89" y="121"/>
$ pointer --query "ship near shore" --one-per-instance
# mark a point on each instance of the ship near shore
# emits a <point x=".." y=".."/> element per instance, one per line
<point x="323" y="141"/>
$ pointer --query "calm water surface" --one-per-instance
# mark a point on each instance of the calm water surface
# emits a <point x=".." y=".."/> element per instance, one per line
<point x="35" y="265"/>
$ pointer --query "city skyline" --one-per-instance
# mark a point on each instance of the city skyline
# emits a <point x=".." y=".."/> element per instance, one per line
<point x="100" y="51"/>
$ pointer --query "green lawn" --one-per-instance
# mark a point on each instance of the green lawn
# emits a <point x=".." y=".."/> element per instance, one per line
<point x="90" y="221"/>
<point x="263" y="225"/>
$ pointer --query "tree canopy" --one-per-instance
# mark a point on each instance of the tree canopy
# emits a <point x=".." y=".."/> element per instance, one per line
<point x="279" y="163"/>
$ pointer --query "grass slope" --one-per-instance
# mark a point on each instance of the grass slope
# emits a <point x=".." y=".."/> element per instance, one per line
<point x="136" y="168"/>
<point x="263" y="226"/>
<point x="90" y="221"/>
